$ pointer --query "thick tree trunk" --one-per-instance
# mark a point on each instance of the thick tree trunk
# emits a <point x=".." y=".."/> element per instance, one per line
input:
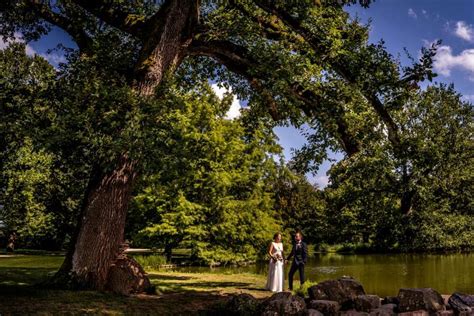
<point x="102" y="227"/>
<point x="97" y="260"/>
<point x="167" y="43"/>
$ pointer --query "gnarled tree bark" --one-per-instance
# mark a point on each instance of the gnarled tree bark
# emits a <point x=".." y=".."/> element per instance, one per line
<point x="102" y="225"/>
<point x="97" y="260"/>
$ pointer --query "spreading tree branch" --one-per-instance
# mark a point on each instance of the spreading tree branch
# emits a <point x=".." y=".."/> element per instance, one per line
<point x="296" y="26"/>
<point x="169" y="33"/>
<point x="110" y="14"/>
<point x="83" y="41"/>
<point x="238" y="60"/>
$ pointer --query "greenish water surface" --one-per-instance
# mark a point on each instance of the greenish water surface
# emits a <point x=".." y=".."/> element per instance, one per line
<point x="383" y="274"/>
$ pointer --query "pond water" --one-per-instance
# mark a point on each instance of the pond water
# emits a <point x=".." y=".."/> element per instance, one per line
<point x="382" y="274"/>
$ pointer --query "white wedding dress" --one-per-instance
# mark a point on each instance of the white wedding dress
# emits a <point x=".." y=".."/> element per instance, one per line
<point x="276" y="275"/>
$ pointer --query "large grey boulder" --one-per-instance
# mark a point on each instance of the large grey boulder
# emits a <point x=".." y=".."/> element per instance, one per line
<point x="284" y="303"/>
<point x="390" y="300"/>
<point x="328" y="308"/>
<point x="382" y="312"/>
<point x="462" y="304"/>
<point x="366" y="303"/>
<point x="391" y="307"/>
<point x="343" y="291"/>
<point x="313" y="312"/>
<point x="415" y="313"/>
<point x="445" y="313"/>
<point x="353" y="312"/>
<point x="420" y="299"/>
<point x="242" y="305"/>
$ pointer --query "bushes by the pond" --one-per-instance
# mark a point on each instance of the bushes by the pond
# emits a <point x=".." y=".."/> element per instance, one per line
<point x="303" y="289"/>
<point x="437" y="231"/>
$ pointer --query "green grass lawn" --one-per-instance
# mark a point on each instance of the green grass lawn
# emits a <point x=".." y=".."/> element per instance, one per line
<point x="172" y="282"/>
<point x="179" y="293"/>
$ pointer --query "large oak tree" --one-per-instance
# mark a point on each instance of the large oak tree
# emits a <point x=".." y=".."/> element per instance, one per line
<point x="301" y="59"/>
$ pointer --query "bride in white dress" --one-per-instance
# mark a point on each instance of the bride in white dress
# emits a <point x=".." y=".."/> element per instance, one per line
<point x="275" y="272"/>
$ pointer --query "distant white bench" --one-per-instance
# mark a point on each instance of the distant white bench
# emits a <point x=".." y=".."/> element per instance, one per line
<point x="138" y="250"/>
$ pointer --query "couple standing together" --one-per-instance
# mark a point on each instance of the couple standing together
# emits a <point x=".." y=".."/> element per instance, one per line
<point x="276" y="274"/>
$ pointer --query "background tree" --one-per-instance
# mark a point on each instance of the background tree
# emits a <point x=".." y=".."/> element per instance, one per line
<point x="437" y="168"/>
<point x="38" y="203"/>
<point x="212" y="193"/>
<point x="300" y="205"/>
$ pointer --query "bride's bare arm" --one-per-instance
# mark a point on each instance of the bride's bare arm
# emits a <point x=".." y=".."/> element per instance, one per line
<point x="270" y="250"/>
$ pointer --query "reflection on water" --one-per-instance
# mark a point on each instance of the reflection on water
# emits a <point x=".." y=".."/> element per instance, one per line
<point x="383" y="274"/>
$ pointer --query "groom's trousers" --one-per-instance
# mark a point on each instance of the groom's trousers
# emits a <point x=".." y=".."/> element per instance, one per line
<point x="295" y="267"/>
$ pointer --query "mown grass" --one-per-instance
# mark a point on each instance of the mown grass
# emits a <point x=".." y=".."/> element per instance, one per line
<point x="27" y="270"/>
<point x="177" y="282"/>
<point x="178" y="293"/>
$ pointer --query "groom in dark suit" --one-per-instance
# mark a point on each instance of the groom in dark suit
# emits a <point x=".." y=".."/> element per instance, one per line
<point x="299" y="252"/>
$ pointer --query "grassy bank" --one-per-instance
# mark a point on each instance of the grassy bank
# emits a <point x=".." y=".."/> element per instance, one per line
<point x="179" y="293"/>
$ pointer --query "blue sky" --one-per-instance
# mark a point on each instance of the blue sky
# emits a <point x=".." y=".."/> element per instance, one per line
<point x="408" y="24"/>
<point x="412" y="24"/>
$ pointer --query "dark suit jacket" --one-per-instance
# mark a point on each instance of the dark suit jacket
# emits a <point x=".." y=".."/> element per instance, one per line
<point x="299" y="254"/>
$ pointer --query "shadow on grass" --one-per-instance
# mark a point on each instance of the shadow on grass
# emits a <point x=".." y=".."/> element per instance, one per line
<point x="258" y="289"/>
<point x="19" y="295"/>
<point x="154" y="276"/>
<point x="23" y="276"/>
<point x="216" y="284"/>
<point x="29" y="300"/>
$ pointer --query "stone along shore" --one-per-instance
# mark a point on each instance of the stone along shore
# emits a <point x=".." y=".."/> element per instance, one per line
<point x="346" y="296"/>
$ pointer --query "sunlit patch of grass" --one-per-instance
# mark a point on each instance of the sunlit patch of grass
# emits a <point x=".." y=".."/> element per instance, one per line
<point x="31" y="261"/>
<point x="172" y="281"/>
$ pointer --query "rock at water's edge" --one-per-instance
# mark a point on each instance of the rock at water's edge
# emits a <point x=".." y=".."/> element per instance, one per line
<point x="420" y="299"/>
<point x="343" y="291"/>
<point x="366" y="303"/>
<point x="284" y="303"/>
<point x="328" y="308"/>
<point x="462" y="303"/>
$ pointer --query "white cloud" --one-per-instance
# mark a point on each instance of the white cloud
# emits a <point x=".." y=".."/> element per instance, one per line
<point x="322" y="181"/>
<point x="425" y="13"/>
<point x="17" y="39"/>
<point x="445" y="61"/>
<point x="412" y="13"/>
<point x="54" y="58"/>
<point x="30" y="50"/>
<point x="234" y="110"/>
<point x="464" y="31"/>
<point x="468" y="97"/>
<point x="3" y="44"/>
